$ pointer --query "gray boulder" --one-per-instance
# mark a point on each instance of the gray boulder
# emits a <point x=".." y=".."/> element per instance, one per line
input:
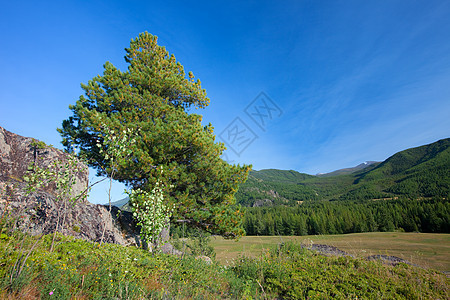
<point x="38" y="212"/>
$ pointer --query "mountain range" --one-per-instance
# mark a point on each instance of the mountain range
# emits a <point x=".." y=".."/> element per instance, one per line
<point x="420" y="172"/>
<point x="348" y="170"/>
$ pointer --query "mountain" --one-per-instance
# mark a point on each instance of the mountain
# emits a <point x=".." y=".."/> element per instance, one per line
<point x="348" y="170"/>
<point x="120" y="203"/>
<point x="273" y="186"/>
<point x="417" y="172"/>
<point x="275" y="175"/>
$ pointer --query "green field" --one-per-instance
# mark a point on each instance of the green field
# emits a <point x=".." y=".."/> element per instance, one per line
<point x="428" y="250"/>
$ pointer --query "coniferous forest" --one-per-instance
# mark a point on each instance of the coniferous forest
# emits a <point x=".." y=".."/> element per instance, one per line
<point x="409" y="191"/>
<point x="338" y="217"/>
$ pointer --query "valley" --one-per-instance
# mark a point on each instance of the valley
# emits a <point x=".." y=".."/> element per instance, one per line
<point x="427" y="250"/>
<point x="413" y="173"/>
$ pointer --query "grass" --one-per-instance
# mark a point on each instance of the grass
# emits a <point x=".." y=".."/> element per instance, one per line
<point x="78" y="269"/>
<point x="428" y="250"/>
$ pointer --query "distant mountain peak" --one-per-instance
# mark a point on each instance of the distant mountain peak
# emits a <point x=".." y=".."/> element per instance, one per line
<point x="413" y="173"/>
<point x="348" y="170"/>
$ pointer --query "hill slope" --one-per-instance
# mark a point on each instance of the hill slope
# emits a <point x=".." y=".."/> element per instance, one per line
<point x="346" y="171"/>
<point x="417" y="172"/>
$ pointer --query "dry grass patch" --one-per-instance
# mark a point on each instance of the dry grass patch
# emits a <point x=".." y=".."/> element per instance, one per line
<point x="429" y="250"/>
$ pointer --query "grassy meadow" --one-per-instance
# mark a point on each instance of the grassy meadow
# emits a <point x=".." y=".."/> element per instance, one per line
<point x="77" y="269"/>
<point x="429" y="250"/>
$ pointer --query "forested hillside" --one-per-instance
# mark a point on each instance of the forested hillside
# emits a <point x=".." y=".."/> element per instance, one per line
<point x="413" y="173"/>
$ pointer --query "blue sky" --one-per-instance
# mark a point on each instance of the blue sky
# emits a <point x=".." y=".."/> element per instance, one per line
<point x="351" y="80"/>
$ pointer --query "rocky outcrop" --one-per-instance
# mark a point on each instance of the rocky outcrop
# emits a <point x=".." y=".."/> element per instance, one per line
<point x="328" y="250"/>
<point x="390" y="260"/>
<point x="263" y="202"/>
<point x="39" y="212"/>
<point x="205" y="258"/>
<point x="17" y="153"/>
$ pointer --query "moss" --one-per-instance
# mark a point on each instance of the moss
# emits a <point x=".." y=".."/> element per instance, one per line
<point x="76" y="228"/>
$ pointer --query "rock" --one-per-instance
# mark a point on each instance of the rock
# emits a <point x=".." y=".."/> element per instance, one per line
<point x="205" y="258"/>
<point x="273" y="193"/>
<point x="333" y="251"/>
<point x="263" y="202"/>
<point x="326" y="250"/>
<point x="17" y="153"/>
<point x="167" y="247"/>
<point x="39" y="212"/>
<point x="389" y="260"/>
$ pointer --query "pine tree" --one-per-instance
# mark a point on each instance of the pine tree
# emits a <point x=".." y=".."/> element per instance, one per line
<point x="154" y="99"/>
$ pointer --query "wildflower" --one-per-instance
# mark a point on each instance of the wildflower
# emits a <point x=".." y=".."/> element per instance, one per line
<point x="51" y="293"/>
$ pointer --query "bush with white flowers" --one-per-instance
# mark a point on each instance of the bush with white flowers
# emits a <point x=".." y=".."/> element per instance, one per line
<point x="150" y="211"/>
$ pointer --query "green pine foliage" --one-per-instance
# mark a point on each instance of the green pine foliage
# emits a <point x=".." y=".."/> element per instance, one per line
<point x="154" y="101"/>
<point x="339" y="217"/>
